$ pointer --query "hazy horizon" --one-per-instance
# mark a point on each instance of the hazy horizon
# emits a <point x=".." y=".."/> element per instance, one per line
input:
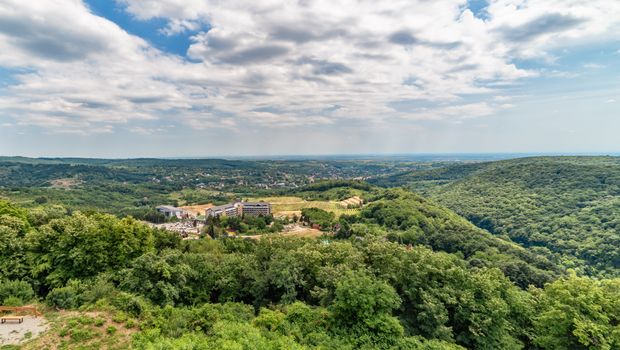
<point x="443" y="156"/>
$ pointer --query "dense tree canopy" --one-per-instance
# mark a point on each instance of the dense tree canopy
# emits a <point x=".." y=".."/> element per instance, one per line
<point x="406" y="273"/>
<point x="564" y="207"/>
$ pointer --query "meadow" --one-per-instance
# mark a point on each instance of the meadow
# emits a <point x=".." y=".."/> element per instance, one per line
<point x="289" y="206"/>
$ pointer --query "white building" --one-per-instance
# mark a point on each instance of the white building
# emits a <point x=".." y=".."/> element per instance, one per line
<point x="239" y="209"/>
<point x="170" y="211"/>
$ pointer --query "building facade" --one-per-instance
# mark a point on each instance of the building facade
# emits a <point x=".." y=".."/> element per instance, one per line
<point x="240" y="209"/>
<point x="170" y="211"/>
<point x="255" y="208"/>
<point x="226" y="210"/>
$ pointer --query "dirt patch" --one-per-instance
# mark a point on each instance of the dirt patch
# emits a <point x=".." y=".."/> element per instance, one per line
<point x="65" y="183"/>
<point x="197" y="209"/>
<point x="14" y="333"/>
<point x="289" y="213"/>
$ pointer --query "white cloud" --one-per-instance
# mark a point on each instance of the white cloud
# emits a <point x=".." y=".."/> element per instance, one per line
<point x="611" y="100"/>
<point x="269" y="63"/>
<point x="593" y="66"/>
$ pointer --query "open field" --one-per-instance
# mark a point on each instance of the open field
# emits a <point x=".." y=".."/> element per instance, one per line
<point x="293" y="231"/>
<point x="65" y="183"/>
<point x="282" y="206"/>
<point x="197" y="209"/>
<point x="353" y="201"/>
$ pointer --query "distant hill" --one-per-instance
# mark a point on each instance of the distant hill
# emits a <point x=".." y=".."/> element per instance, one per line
<point x="412" y="219"/>
<point x="568" y="205"/>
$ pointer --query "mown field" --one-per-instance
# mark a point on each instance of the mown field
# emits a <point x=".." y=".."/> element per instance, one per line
<point x="288" y="205"/>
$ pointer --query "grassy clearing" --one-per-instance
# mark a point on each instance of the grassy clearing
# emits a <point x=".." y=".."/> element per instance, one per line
<point x="197" y="209"/>
<point x="85" y="330"/>
<point x="289" y="205"/>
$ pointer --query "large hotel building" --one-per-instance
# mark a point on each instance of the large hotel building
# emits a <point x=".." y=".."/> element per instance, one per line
<point x="239" y="209"/>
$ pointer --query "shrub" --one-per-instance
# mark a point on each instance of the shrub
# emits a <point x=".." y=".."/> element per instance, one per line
<point x="111" y="330"/>
<point x="86" y="320"/>
<point x="16" y="290"/>
<point x="63" y="332"/>
<point x="63" y="298"/>
<point x="119" y="317"/>
<point x="97" y="290"/>
<point x="131" y="304"/>
<point x="13" y="301"/>
<point x="81" y="334"/>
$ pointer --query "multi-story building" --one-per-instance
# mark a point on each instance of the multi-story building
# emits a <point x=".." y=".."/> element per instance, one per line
<point x="255" y="208"/>
<point x="239" y="209"/>
<point x="226" y="210"/>
<point x="170" y="211"/>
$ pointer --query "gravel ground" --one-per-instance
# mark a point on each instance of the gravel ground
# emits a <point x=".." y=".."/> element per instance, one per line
<point x="14" y="333"/>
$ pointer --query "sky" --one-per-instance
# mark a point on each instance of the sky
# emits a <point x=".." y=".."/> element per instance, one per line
<point x="187" y="78"/>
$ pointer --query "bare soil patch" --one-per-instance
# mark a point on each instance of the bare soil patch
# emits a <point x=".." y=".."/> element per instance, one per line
<point x="65" y="183"/>
<point x="14" y="333"/>
<point x="197" y="209"/>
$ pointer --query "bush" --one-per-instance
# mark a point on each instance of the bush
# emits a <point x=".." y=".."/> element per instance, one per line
<point x="63" y="298"/>
<point x="81" y="334"/>
<point x="13" y="301"/>
<point x="97" y="290"/>
<point x="131" y="304"/>
<point x="119" y="317"/>
<point x="111" y="330"/>
<point x="16" y="291"/>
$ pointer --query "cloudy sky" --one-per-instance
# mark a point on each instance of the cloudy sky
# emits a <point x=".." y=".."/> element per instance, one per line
<point x="128" y="78"/>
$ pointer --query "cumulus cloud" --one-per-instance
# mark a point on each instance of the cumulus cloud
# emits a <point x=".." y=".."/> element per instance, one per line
<point x="270" y="63"/>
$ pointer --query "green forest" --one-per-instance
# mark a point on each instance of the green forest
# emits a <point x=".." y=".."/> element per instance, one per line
<point x="516" y="254"/>
<point x="566" y="208"/>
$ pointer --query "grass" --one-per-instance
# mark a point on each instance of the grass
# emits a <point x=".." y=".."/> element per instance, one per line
<point x="288" y="205"/>
<point x="73" y="330"/>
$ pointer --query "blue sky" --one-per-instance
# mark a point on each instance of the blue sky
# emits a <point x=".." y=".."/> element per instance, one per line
<point x="176" y="78"/>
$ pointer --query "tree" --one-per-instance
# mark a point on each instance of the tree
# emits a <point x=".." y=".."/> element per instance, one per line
<point x="362" y="311"/>
<point x="579" y="313"/>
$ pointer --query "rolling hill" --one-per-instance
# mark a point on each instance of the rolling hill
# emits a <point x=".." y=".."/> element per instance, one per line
<point x="566" y="206"/>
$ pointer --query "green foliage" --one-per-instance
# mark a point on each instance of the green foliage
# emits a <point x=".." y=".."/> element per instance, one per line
<point x="15" y="292"/>
<point x="161" y="278"/>
<point x="405" y="274"/>
<point x="63" y="298"/>
<point x="316" y="216"/>
<point x="579" y="313"/>
<point x="414" y="220"/>
<point x="564" y="207"/>
<point x="79" y="246"/>
<point x="362" y="311"/>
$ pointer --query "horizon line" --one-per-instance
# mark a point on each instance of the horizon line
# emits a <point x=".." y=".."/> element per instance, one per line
<point x="515" y="154"/>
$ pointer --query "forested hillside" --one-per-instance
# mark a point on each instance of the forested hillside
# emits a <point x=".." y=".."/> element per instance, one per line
<point x="567" y="205"/>
<point x="436" y="282"/>
<point x="137" y="186"/>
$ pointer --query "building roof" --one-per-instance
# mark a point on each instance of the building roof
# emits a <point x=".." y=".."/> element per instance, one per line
<point x="257" y="204"/>
<point x="168" y="208"/>
<point x="222" y="207"/>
